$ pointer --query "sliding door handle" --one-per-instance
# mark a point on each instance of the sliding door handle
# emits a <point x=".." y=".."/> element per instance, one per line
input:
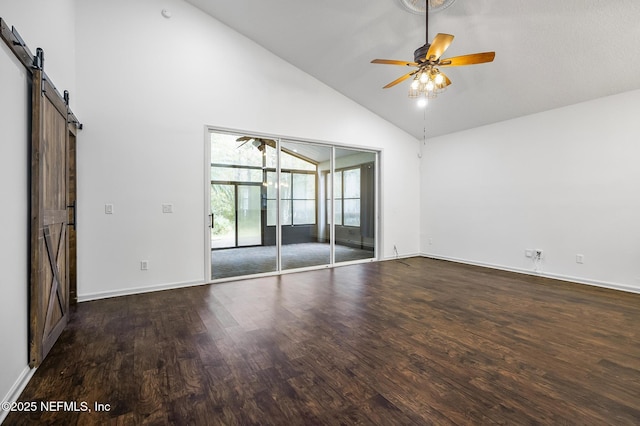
<point x="211" y="221"/>
<point x="74" y="220"/>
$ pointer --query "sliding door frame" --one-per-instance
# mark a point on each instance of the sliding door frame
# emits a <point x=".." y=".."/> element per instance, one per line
<point x="378" y="238"/>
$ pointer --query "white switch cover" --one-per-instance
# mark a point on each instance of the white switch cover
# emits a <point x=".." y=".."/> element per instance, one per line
<point x="579" y="258"/>
<point x="167" y="208"/>
<point x="108" y="209"/>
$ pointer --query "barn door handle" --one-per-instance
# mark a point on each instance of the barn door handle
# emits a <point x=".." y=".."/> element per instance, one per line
<point x="73" y="206"/>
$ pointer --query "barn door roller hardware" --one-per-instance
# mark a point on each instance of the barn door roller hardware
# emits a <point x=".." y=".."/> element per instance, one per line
<point x="38" y="59"/>
<point x="32" y="62"/>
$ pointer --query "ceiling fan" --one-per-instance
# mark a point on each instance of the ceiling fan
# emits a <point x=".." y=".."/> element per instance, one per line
<point x="259" y="143"/>
<point x="428" y="80"/>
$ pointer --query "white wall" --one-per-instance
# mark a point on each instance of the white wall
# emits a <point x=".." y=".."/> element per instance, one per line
<point x="566" y="181"/>
<point x="147" y="87"/>
<point x="53" y="29"/>
<point x="14" y="217"/>
<point x="49" y="25"/>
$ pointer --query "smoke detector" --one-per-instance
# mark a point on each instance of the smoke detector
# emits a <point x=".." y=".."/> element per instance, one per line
<point x="419" y="6"/>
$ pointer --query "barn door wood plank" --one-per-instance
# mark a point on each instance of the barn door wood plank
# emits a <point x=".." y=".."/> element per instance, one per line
<point x="49" y="217"/>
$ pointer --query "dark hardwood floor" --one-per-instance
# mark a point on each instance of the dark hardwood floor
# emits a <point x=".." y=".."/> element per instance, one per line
<point x="414" y="341"/>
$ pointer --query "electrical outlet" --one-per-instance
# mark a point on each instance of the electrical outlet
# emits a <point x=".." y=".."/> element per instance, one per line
<point x="108" y="209"/>
<point x="528" y="253"/>
<point x="579" y="258"/>
<point x="430" y="241"/>
<point x="144" y="265"/>
<point x="167" y="208"/>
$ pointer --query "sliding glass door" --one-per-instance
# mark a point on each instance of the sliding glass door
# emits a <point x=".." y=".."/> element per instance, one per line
<point x="238" y="215"/>
<point x="249" y="215"/>
<point x="279" y="205"/>
<point x="223" y="215"/>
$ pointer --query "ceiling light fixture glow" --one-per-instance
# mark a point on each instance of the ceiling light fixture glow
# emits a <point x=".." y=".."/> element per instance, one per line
<point x="428" y="83"/>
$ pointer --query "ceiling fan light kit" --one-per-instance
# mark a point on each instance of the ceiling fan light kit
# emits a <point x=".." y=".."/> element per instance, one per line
<point x="428" y="81"/>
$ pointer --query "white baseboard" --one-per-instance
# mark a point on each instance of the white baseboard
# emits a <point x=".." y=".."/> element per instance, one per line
<point x="136" y="290"/>
<point x="578" y="280"/>
<point x="169" y="286"/>
<point x="403" y="256"/>
<point x="16" y="389"/>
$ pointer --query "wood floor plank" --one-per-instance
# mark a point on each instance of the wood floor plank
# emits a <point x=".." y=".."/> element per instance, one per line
<point x="408" y="342"/>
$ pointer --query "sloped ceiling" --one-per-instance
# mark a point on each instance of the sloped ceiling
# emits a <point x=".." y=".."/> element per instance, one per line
<point x="549" y="53"/>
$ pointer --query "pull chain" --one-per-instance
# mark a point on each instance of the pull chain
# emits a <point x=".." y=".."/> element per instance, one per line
<point x="424" y="128"/>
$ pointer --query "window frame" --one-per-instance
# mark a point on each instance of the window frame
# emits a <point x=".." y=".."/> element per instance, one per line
<point x="291" y="200"/>
<point x="341" y="198"/>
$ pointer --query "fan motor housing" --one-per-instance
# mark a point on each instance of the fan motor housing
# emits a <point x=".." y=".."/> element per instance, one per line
<point x="420" y="55"/>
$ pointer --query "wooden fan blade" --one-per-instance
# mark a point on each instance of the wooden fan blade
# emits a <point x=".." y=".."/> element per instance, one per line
<point x="440" y="43"/>
<point x="269" y="142"/>
<point x="474" y="58"/>
<point x="399" y="80"/>
<point x="394" y="62"/>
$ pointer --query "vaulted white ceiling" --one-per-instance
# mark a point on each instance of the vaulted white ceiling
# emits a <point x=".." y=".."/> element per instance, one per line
<point x="549" y="53"/>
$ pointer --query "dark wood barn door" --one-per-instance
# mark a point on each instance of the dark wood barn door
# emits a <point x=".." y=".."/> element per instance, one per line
<point x="49" y="218"/>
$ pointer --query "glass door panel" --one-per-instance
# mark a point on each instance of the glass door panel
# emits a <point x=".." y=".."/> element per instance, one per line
<point x="241" y="243"/>
<point x="303" y="226"/>
<point x="223" y="209"/>
<point x="355" y="201"/>
<point x="249" y="215"/>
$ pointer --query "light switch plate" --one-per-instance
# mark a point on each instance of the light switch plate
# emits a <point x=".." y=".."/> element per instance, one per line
<point x="167" y="208"/>
<point x="108" y="209"/>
